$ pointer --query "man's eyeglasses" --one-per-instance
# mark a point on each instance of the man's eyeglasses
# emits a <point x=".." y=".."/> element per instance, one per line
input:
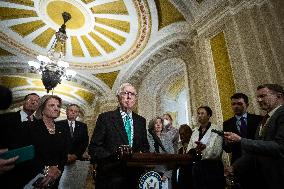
<point x="128" y="94"/>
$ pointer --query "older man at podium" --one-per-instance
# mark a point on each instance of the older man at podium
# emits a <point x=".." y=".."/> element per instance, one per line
<point x="118" y="130"/>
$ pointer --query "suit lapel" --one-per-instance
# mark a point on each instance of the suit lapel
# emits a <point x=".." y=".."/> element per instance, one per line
<point x="135" y="128"/>
<point x="234" y="124"/>
<point x="118" y="123"/>
<point x="250" y="126"/>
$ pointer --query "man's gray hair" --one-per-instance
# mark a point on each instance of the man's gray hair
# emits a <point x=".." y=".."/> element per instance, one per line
<point x="121" y="87"/>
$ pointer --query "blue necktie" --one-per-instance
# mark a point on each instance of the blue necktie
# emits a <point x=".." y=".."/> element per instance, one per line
<point x="127" y="126"/>
<point x="243" y="127"/>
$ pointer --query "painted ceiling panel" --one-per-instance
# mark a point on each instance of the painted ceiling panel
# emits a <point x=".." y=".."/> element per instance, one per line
<point x="27" y="28"/>
<point x="167" y="13"/>
<point x="108" y="78"/>
<point x="106" y="26"/>
<point x="56" y="8"/>
<point x="3" y="52"/>
<point x="118" y="24"/>
<point x="13" y="13"/>
<point x="91" y="48"/>
<point x="37" y="83"/>
<point x="176" y="88"/>
<point x="76" y="47"/>
<point x="115" y="7"/>
<point x="44" y="38"/>
<point x="111" y="35"/>
<point x="22" y="2"/>
<point x="12" y="82"/>
<point x="105" y="45"/>
<point x="87" y="1"/>
<point x="86" y="95"/>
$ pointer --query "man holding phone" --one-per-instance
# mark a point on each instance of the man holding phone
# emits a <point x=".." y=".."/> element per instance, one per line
<point x="12" y="137"/>
<point x="5" y="102"/>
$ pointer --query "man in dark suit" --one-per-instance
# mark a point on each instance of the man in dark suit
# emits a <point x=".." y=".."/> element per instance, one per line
<point x="79" y="140"/>
<point x="242" y="123"/>
<point x="115" y="129"/>
<point x="78" y="133"/>
<point x="245" y="125"/>
<point x="11" y="137"/>
<point x="267" y="150"/>
<point x="5" y="102"/>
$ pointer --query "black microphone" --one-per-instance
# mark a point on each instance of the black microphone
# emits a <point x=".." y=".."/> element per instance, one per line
<point x="219" y="132"/>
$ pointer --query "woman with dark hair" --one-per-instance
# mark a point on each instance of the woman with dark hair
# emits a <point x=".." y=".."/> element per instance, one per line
<point x="160" y="142"/>
<point x="50" y="141"/>
<point x="209" y="171"/>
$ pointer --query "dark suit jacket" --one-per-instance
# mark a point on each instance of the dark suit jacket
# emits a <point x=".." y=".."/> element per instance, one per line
<point x="12" y="136"/>
<point x="108" y="135"/>
<point x="268" y="151"/>
<point x="230" y="126"/>
<point x="80" y="139"/>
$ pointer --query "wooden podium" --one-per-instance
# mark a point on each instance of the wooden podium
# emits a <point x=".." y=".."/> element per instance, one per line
<point x="150" y="159"/>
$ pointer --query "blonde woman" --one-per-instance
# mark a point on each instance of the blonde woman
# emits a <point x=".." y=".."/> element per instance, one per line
<point x="50" y="141"/>
<point x="160" y="142"/>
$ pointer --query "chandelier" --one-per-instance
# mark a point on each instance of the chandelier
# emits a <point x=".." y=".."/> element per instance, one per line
<point x="52" y="68"/>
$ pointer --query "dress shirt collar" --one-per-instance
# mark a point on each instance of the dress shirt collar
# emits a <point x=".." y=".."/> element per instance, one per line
<point x="245" y="115"/>
<point x="24" y="116"/>
<point x="73" y="123"/>
<point x="123" y="114"/>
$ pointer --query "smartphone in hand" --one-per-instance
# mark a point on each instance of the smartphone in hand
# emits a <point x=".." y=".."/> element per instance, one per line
<point x="25" y="153"/>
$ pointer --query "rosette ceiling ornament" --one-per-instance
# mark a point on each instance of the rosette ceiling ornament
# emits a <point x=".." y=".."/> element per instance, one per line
<point x="52" y="67"/>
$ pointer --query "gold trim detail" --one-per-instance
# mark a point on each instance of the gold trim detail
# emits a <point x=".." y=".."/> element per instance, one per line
<point x="93" y="51"/>
<point x="12" y="81"/>
<point x="27" y="28"/>
<point x="55" y="9"/>
<point x="105" y="45"/>
<point x="167" y="13"/>
<point x="76" y="47"/>
<point x="13" y="13"/>
<point x="118" y="24"/>
<point x="113" y="36"/>
<point x="115" y="7"/>
<point x="3" y="52"/>
<point x="29" y="3"/>
<point x="108" y="78"/>
<point x="44" y="38"/>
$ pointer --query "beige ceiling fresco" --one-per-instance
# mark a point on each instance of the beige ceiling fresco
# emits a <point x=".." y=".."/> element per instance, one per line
<point x="100" y="33"/>
<point x="103" y="36"/>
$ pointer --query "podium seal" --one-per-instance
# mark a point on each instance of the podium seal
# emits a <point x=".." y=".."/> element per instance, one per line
<point x="150" y="180"/>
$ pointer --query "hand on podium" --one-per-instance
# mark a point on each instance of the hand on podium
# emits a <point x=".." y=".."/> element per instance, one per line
<point x="124" y="152"/>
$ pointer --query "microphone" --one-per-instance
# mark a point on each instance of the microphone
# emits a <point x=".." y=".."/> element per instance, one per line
<point x="219" y="132"/>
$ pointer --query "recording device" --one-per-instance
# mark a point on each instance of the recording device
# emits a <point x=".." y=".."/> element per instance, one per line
<point x="25" y="153"/>
<point x="219" y="132"/>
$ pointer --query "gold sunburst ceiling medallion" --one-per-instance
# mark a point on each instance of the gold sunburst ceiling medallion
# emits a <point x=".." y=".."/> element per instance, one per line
<point x="101" y="34"/>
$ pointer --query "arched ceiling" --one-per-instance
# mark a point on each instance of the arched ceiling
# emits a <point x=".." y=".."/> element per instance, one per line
<point x="100" y="33"/>
<point x="104" y="38"/>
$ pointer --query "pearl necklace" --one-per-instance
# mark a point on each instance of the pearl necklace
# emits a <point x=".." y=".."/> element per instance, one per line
<point x="51" y="130"/>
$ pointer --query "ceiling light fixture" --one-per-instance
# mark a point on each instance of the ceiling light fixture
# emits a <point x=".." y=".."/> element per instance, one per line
<point x="52" y="67"/>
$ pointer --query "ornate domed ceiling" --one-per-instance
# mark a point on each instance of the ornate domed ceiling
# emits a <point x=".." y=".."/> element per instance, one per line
<point x="104" y="38"/>
<point x="100" y="33"/>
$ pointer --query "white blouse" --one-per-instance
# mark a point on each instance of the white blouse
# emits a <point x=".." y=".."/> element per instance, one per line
<point x="212" y="141"/>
